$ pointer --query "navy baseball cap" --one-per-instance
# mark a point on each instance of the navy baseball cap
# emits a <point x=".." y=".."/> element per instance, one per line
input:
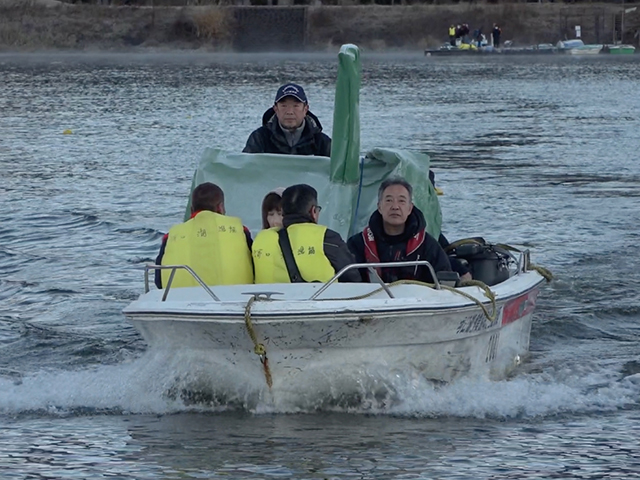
<point x="291" y="90"/>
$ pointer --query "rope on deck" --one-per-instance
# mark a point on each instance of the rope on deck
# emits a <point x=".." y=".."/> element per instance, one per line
<point x="470" y="283"/>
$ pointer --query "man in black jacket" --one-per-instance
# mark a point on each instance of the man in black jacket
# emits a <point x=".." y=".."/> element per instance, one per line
<point x="396" y="233"/>
<point x="289" y="127"/>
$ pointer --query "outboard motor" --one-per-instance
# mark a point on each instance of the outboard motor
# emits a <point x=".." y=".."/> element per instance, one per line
<point x="488" y="263"/>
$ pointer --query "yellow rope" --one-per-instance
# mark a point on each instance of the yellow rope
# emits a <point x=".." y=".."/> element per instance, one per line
<point x="504" y="246"/>
<point x="458" y="243"/>
<point x="487" y="292"/>
<point x="548" y="276"/>
<point x="546" y="273"/>
<point x="258" y="348"/>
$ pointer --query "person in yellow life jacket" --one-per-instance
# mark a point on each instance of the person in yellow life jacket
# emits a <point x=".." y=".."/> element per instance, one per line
<point x="452" y="35"/>
<point x="301" y="251"/>
<point x="217" y="247"/>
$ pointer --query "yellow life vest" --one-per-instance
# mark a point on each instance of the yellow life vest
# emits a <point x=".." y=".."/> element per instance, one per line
<point x="214" y="246"/>
<point x="307" y="244"/>
<point x="452" y="31"/>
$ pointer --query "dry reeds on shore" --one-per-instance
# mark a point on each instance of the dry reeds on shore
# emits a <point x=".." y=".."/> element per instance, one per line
<point x="213" y="24"/>
<point x="32" y="23"/>
<point x="49" y="24"/>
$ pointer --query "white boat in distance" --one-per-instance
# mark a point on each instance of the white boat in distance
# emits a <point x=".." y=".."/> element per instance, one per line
<point x="282" y="333"/>
<point x="577" y="47"/>
<point x="586" y="50"/>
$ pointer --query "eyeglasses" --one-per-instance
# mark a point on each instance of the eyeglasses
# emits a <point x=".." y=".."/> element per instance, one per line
<point x="318" y="208"/>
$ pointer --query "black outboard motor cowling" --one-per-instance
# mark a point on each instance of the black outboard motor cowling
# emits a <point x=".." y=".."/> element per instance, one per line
<point x="487" y="263"/>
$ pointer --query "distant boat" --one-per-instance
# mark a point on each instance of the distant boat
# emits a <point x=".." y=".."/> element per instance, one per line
<point x="577" y="47"/>
<point x="620" y="49"/>
<point x="540" y="49"/>
<point x="585" y="50"/>
<point x="569" y="44"/>
<point x="445" y="50"/>
<point x="463" y="49"/>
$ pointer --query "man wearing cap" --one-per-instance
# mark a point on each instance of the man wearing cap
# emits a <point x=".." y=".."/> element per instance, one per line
<point x="289" y="127"/>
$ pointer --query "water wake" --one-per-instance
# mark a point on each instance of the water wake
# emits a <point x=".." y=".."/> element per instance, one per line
<point x="158" y="384"/>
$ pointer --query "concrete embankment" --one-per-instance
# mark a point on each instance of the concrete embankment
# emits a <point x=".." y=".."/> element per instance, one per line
<point x="48" y="24"/>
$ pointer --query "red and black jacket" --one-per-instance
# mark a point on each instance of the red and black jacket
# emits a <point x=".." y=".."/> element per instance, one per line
<point x="374" y="245"/>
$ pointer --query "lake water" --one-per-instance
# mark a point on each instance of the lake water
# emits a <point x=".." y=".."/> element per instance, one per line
<point x="536" y="152"/>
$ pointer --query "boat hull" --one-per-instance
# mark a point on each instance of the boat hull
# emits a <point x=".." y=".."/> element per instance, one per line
<point x="586" y="50"/>
<point x="438" y="334"/>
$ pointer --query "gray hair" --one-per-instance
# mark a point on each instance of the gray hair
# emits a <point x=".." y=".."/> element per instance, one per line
<point x="395" y="181"/>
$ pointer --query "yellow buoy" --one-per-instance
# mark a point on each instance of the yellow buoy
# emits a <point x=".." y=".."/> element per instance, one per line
<point x="67" y="132"/>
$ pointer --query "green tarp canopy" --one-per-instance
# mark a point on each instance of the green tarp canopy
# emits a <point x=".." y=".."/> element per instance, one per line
<point x="347" y="183"/>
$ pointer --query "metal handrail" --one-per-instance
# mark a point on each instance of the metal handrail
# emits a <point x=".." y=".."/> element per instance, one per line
<point x="522" y="261"/>
<point x="525" y="258"/>
<point x="173" y="269"/>
<point x="371" y="268"/>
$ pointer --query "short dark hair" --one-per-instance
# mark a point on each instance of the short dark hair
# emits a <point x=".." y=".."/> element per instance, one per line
<point x="395" y="181"/>
<point x="272" y="201"/>
<point x="207" y="196"/>
<point x="299" y="199"/>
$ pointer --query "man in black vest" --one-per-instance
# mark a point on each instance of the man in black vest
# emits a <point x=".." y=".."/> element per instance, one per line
<point x="396" y="233"/>
<point x="495" y="33"/>
<point x="289" y="127"/>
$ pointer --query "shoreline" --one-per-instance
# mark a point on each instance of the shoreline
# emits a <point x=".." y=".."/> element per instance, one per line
<point x="51" y="26"/>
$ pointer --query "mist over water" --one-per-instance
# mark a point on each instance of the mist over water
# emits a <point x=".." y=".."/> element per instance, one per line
<point x="535" y="152"/>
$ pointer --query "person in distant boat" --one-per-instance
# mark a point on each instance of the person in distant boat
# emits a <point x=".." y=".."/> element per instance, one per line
<point x="301" y="251"/>
<point x="477" y="37"/>
<point x="217" y="247"/>
<point x="289" y="127"/>
<point x="463" y="33"/>
<point x="396" y="233"/>
<point x="495" y="34"/>
<point x="452" y="35"/>
<point x="272" y="209"/>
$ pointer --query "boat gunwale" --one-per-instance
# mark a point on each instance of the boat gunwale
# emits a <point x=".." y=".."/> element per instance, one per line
<point x="182" y="315"/>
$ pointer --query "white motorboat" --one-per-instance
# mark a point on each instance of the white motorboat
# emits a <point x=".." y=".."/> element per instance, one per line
<point x="284" y="336"/>
<point x="283" y="333"/>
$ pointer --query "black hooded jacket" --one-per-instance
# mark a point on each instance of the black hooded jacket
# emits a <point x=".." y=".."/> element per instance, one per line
<point x="270" y="138"/>
<point x="393" y="248"/>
